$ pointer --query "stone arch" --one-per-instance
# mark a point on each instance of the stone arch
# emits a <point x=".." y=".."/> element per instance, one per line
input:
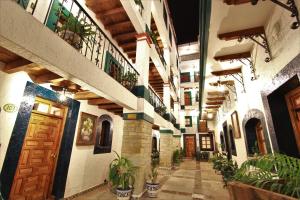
<point x="255" y="114"/>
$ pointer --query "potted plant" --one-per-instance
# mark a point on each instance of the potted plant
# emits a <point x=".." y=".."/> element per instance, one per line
<point x="121" y="175"/>
<point x="176" y="157"/>
<point x="129" y="80"/>
<point x="273" y="176"/>
<point x="161" y="110"/>
<point x="152" y="185"/>
<point x="74" y="31"/>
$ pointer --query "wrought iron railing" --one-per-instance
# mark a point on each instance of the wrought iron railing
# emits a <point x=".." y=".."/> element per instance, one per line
<point x="73" y="24"/>
<point x="156" y="102"/>
<point x="140" y="6"/>
<point x="154" y="41"/>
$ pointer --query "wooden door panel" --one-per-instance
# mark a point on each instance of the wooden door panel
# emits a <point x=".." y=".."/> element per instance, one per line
<point x="190" y="146"/>
<point x="293" y="103"/>
<point x="37" y="160"/>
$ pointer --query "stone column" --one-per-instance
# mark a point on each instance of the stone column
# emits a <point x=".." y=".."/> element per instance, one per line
<point x="166" y="148"/>
<point x="136" y="146"/>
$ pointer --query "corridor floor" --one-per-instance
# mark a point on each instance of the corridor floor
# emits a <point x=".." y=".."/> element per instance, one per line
<point x="192" y="180"/>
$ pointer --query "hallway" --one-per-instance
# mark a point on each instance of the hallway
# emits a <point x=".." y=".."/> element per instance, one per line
<point x="192" y="180"/>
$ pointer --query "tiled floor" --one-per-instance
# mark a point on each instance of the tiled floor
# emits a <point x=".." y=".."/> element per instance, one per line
<point x="192" y="180"/>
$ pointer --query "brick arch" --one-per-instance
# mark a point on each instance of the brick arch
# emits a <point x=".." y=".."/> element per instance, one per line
<point x="256" y="114"/>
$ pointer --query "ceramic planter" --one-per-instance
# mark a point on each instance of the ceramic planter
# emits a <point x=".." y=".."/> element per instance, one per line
<point x="152" y="189"/>
<point x="123" y="194"/>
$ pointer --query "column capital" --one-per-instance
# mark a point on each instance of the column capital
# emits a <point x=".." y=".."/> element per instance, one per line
<point x="144" y="36"/>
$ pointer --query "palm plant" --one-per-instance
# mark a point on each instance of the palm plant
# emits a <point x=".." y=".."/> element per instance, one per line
<point x="121" y="173"/>
<point x="276" y="172"/>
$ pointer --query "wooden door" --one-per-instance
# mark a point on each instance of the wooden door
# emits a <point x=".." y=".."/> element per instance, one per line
<point x="187" y="98"/>
<point x="261" y="142"/>
<point x="293" y="103"/>
<point x="190" y="145"/>
<point x="34" y="174"/>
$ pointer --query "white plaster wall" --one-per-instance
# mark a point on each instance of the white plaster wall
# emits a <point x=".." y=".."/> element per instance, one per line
<point x="86" y="169"/>
<point x="11" y="91"/>
<point x="285" y="45"/>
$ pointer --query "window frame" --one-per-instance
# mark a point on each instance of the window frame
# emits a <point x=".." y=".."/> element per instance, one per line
<point x="211" y="139"/>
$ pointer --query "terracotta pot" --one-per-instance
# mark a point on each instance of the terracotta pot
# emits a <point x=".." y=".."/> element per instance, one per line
<point x="238" y="191"/>
<point x="152" y="189"/>
<point x="123" y="194"/>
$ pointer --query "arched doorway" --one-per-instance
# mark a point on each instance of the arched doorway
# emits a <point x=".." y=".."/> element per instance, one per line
<point x="255" y="133"/>
<point x="256" y="142"/>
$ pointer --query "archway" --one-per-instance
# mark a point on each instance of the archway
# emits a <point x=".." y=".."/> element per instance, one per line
<point x="255" y="133"/>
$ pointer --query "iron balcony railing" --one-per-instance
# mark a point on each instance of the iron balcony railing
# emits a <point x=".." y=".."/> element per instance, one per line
<point x="72" y="23"/>
<point x="157" y="103"/>
<point x="154" y="41"/>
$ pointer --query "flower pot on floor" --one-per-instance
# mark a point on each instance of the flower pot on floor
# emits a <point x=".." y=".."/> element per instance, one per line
<point x="152" y="189"/>
<point x="123" y="194"/>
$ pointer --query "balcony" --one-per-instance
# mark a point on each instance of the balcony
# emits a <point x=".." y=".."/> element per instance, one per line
<point x="73" y="24"/>
<point x="157" y="103"/>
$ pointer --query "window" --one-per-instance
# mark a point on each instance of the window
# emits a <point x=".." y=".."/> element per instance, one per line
<point x="185" y="77"/>
<point x="103" y="135"/>
<point x="196" y="77"/>
<point x="206" y="142"/>
<point x="232" y="142"/>
<point x="188" y="121"/>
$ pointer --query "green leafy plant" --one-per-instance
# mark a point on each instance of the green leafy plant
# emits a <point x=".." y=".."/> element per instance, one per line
<point x="121" y="173"/>
<point x="276" y="172"/>
<point x="155" y="158"/>
<point x="129" y="80"/>
<point x="80" y="30"/>
<point x="227" y="168"/>
<point x="153" y="175"/>
<point x="176" y="157"/>
<point x="161" y="110"/>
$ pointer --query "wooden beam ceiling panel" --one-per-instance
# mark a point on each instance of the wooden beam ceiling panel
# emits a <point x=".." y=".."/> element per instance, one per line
<point x="18" y="65"/>
<point x="236" y="56"/>
<point x="85" y="95"/>
<point x="99" y="101"/>
<point x="236" y="2"/>
<point x="114" y="11"/>
<point x="109" y="106"/>
<point x="212" y="107"/>
<point x="47" y="78"/>
<point x="119" y="25"/>
<point x="218" y="93"/>
<point x="227" y="72"/>
<point x="216" y="98"/>
<point x="214" y="103"/>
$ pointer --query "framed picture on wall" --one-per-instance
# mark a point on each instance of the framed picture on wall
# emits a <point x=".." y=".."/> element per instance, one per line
<point x="235" y="125"/>
<point x="86" y="129"/>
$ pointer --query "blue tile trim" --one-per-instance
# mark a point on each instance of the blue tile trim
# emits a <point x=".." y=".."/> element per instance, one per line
<point x="16" y="141"/>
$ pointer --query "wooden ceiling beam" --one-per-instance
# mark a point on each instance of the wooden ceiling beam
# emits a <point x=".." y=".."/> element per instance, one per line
<point x="128" y="45"/>
<point x="214" y="103"/>
<point x="18" y="65"/>
<point x="117" y="25"/>
<point x="85" y="95"/>
<point x="113" y="11"/>
<point x="241" y="33"/>
<point x="227" y="72"/>
<point x="216" y="98"/>
<point x="109" y="106"/>
<point x="212" y="107"/>
<point x="122" y="36"/>
<point x="47" y="78"/>
<point x="217" y="93"/>
<point x="236" y="56"/>
<point x="99" y="101"/>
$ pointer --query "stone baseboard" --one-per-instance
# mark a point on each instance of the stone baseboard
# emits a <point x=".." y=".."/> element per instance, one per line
<point x="86" y="191"/>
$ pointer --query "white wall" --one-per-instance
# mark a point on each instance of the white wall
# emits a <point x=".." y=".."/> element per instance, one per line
<point x="11" y="91"/>
<point x="86" y="169"/>
<point x="285" y="45"/>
